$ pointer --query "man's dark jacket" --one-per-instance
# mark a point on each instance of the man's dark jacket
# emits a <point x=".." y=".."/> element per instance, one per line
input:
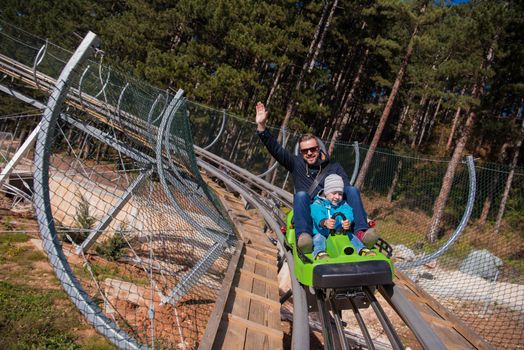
<point x="303" y="174"/>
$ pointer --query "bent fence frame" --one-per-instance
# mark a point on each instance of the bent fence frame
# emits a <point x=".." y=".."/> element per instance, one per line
<point x="51" y="245"/>
<point x="472" y="188"/>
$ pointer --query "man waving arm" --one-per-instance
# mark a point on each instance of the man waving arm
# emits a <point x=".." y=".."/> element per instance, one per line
<point x="281" y="155"/>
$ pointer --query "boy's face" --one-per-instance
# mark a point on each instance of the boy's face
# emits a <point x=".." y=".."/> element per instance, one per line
<point x="334" y="197"/>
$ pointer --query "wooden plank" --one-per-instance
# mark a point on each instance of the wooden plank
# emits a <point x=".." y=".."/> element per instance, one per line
<point x="253" y="224"/>
<point x="245" y="281"/>
<point x="458" y="324"/>
<point x="216" y="315"/>
<point x="253" y="300"/>
<point x="271" y="303"/>
<point x="257" y="253"/>
<point x="270" y="249"/>
<point x="272" y="316"/>
<point x="260" y="278"/>
<point x="258" y="312"/>
<point x="255" y="326"/>
<point x="262" y="262"/>
<point x="234" y="338"/>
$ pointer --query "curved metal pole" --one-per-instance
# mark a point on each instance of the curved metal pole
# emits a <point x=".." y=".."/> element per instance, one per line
<point x="460" y="227"/>
<point x="151" y="110"/>
<point x="162" y="130"/>
<point x="163" y="109"/>
<point x="168" y="143"/>
<point x="38" y="59"/>
<point x="120" y="101"/>
<point x="102" y="90"/>
<point x="51" y="244"/>
<point x="284" y="141"/>
<point x="224" y="117"/>
<point x="357" y="163"/>
<point x="150" y="117"/>
<point x="80" y="85"/>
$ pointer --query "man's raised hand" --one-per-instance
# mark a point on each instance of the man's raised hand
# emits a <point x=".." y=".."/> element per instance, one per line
<point x="261" y="117"/>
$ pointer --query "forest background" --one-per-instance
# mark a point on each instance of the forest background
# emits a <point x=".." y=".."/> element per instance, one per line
<point x="439" y="78"/>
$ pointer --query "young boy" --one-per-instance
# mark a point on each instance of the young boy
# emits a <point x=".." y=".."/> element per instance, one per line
<point x="323" y="208"/>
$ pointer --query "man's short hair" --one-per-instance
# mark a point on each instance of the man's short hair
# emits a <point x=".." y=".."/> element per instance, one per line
<point x="307" y="137"/>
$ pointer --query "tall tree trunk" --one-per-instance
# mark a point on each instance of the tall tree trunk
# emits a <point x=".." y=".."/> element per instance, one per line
<point x="274" y="86"/>
<point x="492" y="187"/>
<point x="507" y="188"/>
<point x="401" y="122"/>
<point x="419" y="120"/>
<point x="395" y="181"/>
<point x="314" y="49"/>
<point x="425" y="122"/>
<point x="440" y="202"/>
<point x="442" y="132"/>
<point x="455" y="123"/>
<point x="432" y="122"/>
<point x="343" y="115"/>
<point x="340" y="90"/>
<point x="387" y="110"/>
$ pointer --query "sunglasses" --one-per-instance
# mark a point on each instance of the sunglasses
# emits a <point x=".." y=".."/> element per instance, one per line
<point x="307" y="150"/>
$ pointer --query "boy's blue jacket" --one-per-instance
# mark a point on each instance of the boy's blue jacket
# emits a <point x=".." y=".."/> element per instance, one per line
<point x="322" y="209"/>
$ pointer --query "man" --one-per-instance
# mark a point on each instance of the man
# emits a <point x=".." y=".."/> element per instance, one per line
<point x="306" y="170"/>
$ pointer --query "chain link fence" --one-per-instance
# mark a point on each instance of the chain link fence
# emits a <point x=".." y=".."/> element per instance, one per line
<point x="136" y="238"/>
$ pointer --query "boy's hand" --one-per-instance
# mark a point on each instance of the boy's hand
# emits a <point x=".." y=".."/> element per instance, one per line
<point x="329" y="223"/>
<point x="346" y="224"/>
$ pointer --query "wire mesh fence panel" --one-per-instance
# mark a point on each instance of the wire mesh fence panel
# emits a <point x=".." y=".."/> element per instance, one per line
<point x="136" y="238"/>
<point x="479" y="277"/>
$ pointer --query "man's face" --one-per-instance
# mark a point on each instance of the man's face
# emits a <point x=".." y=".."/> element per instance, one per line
<point x="310" y="151"/>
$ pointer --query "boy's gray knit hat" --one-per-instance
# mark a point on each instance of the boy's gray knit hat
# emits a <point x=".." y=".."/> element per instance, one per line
<point x="333" y="183"/>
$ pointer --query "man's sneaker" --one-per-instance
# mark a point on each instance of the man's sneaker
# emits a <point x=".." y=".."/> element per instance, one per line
<point x="368" y="237"/>
<point x="305" y="242"/>
<point x="322" y="256"/>
<point x="366" y="252"/>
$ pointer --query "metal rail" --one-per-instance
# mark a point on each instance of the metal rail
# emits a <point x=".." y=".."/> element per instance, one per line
<point x="460" y="228"/>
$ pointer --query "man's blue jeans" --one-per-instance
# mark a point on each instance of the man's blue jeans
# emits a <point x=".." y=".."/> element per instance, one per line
<point x="302" y="211"/>
<point x="319" y="243"/>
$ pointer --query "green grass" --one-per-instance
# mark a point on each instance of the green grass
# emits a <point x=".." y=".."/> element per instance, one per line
<point x="13" y="252"/>
<point x="13" y="238"/>
<point x="30" y="319"/>
<point x="33" y="315"/>
<point x="103" y="272"/>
